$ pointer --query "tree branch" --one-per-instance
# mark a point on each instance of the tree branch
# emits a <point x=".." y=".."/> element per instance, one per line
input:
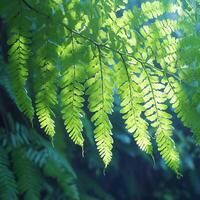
<point x="121" y="53"/>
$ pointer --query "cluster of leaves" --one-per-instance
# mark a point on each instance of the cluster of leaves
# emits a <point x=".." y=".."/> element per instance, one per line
<point x="67" y="52"/>
<point x="30" y="167"/>
<point x="120" y="184"/>
<point x="190" y="65"/>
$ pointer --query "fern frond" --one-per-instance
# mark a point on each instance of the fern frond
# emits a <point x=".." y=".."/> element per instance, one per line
<point x="167" y="54"/>
<point x="100" y="91"/>
<point x="187" y="91"/>
<point x="46" y="98"/>
<point x="72" y="93"/>
<point x="19" y="53"/>
<point x="46" y="75"/>
<point x="28" y="177"/>
<point x="155" y="105"/>
<point x="8" y="186"/>
<point x="161" y="46"/>
<point x="152" y="9"/>
<point x="131" y="103"/>
<point x="184" y="107"/>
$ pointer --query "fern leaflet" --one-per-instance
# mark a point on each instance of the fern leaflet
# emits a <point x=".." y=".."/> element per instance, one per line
<point x="131" y="100"/>
<point x="72" y="94"/>
<point x="100" y="92"/>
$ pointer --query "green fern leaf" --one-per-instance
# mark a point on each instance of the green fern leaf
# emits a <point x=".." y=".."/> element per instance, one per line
<point x="46" y="76"/>
<point x="46" y="98"/>
<point x="72" y="93"/>
<point x="155" y="104"/>
<point x="19" y="53"/>
<point x="183" y="106"/>
<point x="100" y="91"/>
<point x="131" y="100"/>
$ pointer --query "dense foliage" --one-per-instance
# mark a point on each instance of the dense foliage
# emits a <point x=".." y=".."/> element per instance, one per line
<point x="60" y="172"/>
<point x="74" y="57"/>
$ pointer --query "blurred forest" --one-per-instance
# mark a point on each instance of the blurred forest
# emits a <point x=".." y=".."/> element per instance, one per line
<point x="33" y="166"/>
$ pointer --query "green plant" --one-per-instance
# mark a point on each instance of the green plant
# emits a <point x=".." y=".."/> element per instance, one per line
<point x="64" y="53"/>
<point x="26" y="162"/>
